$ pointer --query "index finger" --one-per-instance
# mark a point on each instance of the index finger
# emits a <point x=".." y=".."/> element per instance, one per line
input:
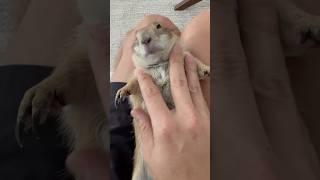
<point x="272" y="85"/>
<point x="232" y="93"/>
<point x="152" y="97"/>
<point x="235" y="115"/>
<point x="98" y="60"/>
<point x="178" y="80"/>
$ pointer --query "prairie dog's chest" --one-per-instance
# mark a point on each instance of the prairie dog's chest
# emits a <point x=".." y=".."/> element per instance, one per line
<point x="160" y="74"/>
<point x="161" y="78"/>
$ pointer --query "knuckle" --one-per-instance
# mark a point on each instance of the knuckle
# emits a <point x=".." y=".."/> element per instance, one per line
<point x="272" y="86"/>
<point x="193" y="118"/>
<point x="176" y="59"/>
<point x="194" y="88"/>
<point x="191" y="65"/>
<point x="165" y="130"/>
<point x="178" y="82"/>
<point x="151" y="91"/>
<point x="192" y="126"/>
<point x="193" y="130"/>
<point x="229" y="67"/>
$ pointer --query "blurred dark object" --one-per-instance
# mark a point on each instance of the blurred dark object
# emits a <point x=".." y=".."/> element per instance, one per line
<point x="185" y="4"/>
<point x="41" y="159"/>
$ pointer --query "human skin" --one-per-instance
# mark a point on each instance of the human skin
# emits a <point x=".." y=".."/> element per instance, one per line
<point x="93" y="164"/>
<point x="47" y="24"/>
<point x="196" y="39"/>
<point x="253" y="100"/>
<point x="175" y="143"/>
<point x="246" y="157"/>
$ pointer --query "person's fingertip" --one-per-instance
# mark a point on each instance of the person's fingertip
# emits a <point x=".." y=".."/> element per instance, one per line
<point x="137" y="113"/>
<point x="134" y="113"/>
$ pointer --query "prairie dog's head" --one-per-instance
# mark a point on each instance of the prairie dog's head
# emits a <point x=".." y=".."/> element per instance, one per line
<point x="153" y="45"/>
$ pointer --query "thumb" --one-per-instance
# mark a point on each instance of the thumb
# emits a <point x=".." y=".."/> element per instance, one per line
<point x="145" y="134"/>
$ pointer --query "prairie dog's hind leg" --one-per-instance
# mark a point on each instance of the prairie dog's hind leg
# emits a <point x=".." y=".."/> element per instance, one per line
<point x="203" y="70"/>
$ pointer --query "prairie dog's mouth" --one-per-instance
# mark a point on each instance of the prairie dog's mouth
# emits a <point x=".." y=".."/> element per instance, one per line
<point x="152" y="45"/>
<point x="149" y="50"/>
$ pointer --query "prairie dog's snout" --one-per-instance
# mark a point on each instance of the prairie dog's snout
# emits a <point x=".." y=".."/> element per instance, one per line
<point x="153" y="43"/>
<point x="149" y="33"/>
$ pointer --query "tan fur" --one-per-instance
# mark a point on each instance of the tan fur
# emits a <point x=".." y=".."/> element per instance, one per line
<point x="83" y="120"/>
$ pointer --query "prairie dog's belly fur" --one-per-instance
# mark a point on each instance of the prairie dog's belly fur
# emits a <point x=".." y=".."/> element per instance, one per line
<point x="161" y="78"/>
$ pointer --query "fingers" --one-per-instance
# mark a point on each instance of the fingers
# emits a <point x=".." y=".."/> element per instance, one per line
<point x="153" y="99"/>
<point x="259" y="26"/>
<point x="233" y="97"/>
<point x="178" y="81"/>
<point x="88" y="164"/>
<point x="272" y="87"/>
<point x="194" y="84"/>
<point x="235" y="115"/>
<point x="124" y="67"/>
<point x="145" y="130"/>
<point x="98" y="60"/>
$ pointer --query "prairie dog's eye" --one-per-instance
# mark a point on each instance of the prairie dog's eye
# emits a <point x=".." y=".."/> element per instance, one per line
<point x="158" y="26"/>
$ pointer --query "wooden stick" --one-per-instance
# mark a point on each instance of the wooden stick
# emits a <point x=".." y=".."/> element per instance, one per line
<point x="185" y="4"/>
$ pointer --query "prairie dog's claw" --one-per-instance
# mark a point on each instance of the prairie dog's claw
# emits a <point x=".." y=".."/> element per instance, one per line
<point x="17" y="134"/>
<point x="37" y="103"/>
<point x="121" y="96"/>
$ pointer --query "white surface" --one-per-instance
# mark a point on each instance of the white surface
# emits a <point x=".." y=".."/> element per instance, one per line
<point x="125" y="14"/>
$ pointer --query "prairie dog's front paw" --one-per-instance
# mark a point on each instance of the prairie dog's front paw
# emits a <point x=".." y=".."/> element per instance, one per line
<point x="300" y="30"/>
<point x="38" y="103"/>
<point x="121" y="95"/>
<point x="203" y="71"/>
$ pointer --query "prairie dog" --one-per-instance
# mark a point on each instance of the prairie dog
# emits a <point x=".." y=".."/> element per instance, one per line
<point x="70" y="92"/>
<point x="151" y="51"/>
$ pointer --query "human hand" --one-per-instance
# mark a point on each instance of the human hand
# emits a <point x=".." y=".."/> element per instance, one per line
<point x="175" y="143"/>
<point x="257" y="129"/>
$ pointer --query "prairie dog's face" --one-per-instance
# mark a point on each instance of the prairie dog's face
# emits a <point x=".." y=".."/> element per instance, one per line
<point x="153" y="44"/>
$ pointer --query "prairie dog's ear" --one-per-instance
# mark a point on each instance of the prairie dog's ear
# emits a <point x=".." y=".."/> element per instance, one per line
<point x="93" y="11"/>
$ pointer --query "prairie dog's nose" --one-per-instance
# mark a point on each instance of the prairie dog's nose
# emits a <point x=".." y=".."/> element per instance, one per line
<point x="146" y="40"/>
